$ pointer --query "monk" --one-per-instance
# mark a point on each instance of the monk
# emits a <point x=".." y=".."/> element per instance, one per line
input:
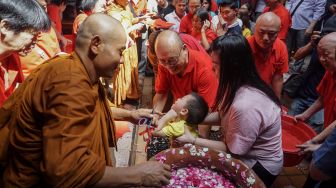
<point x="46" y="47"/>
<point x="61" y="125"/>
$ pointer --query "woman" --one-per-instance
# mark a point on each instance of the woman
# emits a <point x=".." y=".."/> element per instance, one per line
<point x="86" y="8"/>
<point x="247" y="110"/>
<point x="206" y="5"/>
<point x="201" y="29"/>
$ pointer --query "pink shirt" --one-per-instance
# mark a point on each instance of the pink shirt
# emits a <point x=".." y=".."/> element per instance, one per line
<point x="252" y="129"/>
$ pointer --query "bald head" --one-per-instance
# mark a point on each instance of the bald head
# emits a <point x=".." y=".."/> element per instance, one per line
<point x="327" y="51"/>
<point x="99" y="24"/>
<point x="269" y="18"/>
<point x="267" y="29"/>
<point x="168" y="41"/>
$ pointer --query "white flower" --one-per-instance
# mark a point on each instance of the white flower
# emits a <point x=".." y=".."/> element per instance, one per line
<point x="250" y="180"/>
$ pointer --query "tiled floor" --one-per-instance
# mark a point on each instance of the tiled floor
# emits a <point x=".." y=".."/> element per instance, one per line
<point x="290" y="176"/>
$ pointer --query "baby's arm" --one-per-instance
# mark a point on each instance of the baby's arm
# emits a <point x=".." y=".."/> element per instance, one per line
<point x="170" y="115"/>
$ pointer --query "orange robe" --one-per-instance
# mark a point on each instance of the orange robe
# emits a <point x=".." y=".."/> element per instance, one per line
<point x="78" y="21"/>
<point x="60" y="128"/>
<point x="47" y="46"/>
<point x="126" y="83"/>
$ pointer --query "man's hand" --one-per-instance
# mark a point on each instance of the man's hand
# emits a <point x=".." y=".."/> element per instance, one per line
<point x="136" y="115"/>
<point x="186" y="137"/>
<point x="314" y="38"/>
<point x="308" y="147"/>
<point x="153" y="174"/>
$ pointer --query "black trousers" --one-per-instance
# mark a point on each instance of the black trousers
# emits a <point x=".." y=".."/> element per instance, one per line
<point x="264" y="175"/>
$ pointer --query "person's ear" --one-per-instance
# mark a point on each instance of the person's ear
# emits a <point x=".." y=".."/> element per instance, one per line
<point x="4" y="28"/>
<point x="184" y="111"/>
<point x="95" y="44"/>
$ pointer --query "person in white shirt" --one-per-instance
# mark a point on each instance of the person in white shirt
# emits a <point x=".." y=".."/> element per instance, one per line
<point x="176" y="16"/>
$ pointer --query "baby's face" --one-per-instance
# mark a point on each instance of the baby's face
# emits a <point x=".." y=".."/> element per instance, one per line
<point x="181" y="103"/>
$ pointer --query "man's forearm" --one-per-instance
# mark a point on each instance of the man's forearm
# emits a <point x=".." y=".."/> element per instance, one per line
<point x="315" y="107"/>
<point x="159" y="102"/>
<point x="325" y="133"/>
<point x="277" y="83"/>
<point x="119" y="177"/>
<point x="121" y="114"/>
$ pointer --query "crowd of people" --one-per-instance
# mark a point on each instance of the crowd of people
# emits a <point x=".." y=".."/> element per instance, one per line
<point x="218" y="63"/>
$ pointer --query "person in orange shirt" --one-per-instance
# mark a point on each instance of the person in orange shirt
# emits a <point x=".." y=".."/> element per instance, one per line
<point x="86" y="8"/>
<point x="46" y="47"/>
<point x="270" y="53"/>
<point x="277" y="8"/>
<point x="19" y="29"/>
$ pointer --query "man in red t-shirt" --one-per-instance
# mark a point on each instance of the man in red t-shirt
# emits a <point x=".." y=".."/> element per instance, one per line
<point x="186" y="22"/>
<point x="270" y="53"/>
<point x="327" y="87"/>
<point x="277" y="8"/>
<point x="181" y="71"/>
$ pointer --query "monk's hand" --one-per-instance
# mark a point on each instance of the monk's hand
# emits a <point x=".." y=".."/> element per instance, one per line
<point x="136" y="115"/>
<point x="153" y="174"/>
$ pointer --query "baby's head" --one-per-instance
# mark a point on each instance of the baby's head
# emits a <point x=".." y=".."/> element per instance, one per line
<point x="192" y="107"/>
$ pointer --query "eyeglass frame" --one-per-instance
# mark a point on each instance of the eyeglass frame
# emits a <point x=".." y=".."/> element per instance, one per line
<point x="172" y="61"/>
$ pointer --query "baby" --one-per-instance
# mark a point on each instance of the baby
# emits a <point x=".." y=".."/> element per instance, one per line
<point x="190" y="110"/>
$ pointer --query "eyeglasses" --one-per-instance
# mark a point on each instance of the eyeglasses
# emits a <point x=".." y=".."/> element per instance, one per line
<point x="171" y="61"/>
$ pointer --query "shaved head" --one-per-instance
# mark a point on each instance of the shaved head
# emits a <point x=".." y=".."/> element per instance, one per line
<point x="267" y="29"/>
<point x="327" y="51"/>
<point x="100" y="43"/>
<point x="269" y="18"/>
<point x="168" y="41"/>
<point x="99" y="24"/>
<point x="171" y="52"/>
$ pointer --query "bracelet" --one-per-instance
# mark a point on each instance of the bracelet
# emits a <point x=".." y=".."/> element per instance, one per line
<point x="194" y="141"/>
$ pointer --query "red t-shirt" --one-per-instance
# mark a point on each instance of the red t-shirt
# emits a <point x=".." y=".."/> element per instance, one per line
<point x="327" y="90"/>
<point x="198" y="77"/>
<point x="10" y="72"/>
<point x="286" y="20"/>
<point x="276" y="63"/>
<point x="54" y="15"/>
<point x="210" y="35"/>
<point x="186" y="24"/>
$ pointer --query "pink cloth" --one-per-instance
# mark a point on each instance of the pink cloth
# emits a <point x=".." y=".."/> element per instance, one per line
<point x="252" y="129"/>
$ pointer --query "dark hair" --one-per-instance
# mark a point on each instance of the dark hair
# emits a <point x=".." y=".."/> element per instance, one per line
<point x="23" y="15"/>
<point x="248" y="5"/>
<point x="209" y="2"/>
<point x="202" y="14"/>
<point x="58" y="2"/>
<point x="245" y="18"/>
<point x="197" y="109"/>
<point x="87" y="5"/>
<point x="237" y="69"/>
<point x="231" y="3"/>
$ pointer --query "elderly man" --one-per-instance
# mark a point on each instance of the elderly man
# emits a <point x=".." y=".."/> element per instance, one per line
<point x="176" y="16"/>
<point x="270" y="53"/>
<point x="46" y="46"/>
<point x="61" y="124"/>
<point x="186" y="22"/>
<point x="181" y="71"/>
<point x="323" y="145"/>
<point x="19" y="29"/>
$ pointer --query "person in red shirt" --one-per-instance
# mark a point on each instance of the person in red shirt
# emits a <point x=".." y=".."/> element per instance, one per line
<point x="181" y="71"/>
<point x="19" y="34"/>
<point x="327" y="87"/>
<point x="55" y="12"/>
<point x="277" y="8"/>
<point x="270" y="53"/>
<point x="186" y="22"/>
<point x="201" y="29"/>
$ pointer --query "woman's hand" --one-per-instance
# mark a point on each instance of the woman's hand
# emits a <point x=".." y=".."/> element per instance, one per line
<point x="206" y="25"/>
